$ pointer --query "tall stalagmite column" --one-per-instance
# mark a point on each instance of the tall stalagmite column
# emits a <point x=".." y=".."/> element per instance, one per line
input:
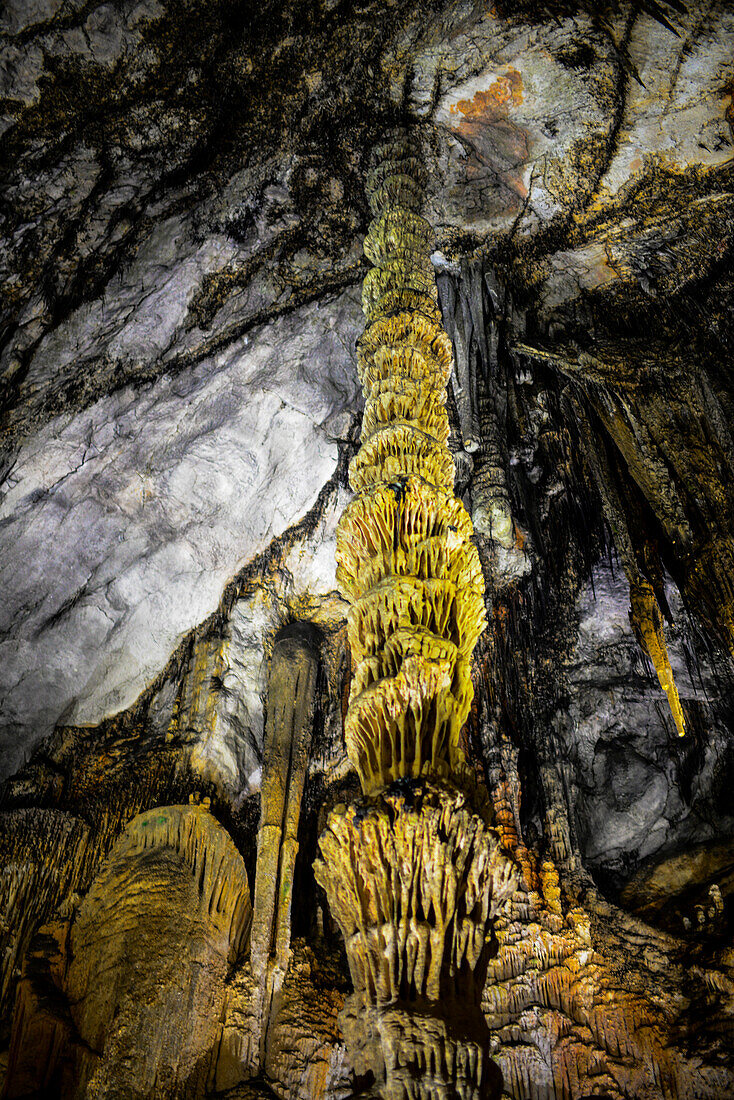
<point x="413" y="873"/>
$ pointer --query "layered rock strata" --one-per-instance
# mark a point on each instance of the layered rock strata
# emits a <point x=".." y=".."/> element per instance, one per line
<point x="413" y="875"/>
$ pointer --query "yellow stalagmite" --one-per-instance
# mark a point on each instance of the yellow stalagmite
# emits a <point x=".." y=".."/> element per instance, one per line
<point x="414" y="876"/>
<point x="405" y="559"/>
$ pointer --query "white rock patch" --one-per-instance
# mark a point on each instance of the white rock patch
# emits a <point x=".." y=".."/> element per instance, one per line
<point x="676" y="116"/>
<point x="122" y="524"/>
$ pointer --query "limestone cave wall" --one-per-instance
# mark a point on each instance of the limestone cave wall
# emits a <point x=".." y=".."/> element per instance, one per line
<point x="184" y="202"/>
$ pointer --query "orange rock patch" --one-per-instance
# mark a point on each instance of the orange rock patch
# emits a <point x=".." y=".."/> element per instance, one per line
<point x="493" y="102"/>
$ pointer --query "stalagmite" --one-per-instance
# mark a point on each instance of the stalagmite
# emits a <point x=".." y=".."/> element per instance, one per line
<point x="413" y="874"/>
<point x="143" y="966"/>
<point x="288" y="729"/>
<point x="415" y="879"/>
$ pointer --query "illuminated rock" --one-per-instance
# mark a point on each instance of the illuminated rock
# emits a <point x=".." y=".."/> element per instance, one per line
<point x="421" y="1056"/>
<point x="414" y="877"/>
<point x="153" y="940"/>
<point x="155" y="937"/>
<point x="403" y="551"/>
<point x="645" y="615"/>
<point x="291" y="688"/>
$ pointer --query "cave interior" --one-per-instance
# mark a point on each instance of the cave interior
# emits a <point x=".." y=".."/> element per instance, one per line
<point x="367" y="549"/>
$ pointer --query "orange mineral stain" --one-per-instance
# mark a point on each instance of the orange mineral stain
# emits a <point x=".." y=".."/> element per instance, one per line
<point x="492" y="102"/>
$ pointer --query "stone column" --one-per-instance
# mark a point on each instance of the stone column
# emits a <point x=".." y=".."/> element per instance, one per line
<point x="288" y="729"/>
<point x="413" y="873"/>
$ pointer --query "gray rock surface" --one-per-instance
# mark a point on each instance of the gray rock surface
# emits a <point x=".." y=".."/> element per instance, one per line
<point x="639" y="790"/>
<point x="122" y="524"/>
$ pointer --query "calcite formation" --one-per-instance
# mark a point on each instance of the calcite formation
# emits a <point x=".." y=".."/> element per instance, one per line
<point x="415" y="880"/>
<point x="405" y="559"/>
<point x="179" y="280"/>
<point x="293" y="671"/>
<point x="413" y="875"/>
<point x="645" y="614"/>
<point x="420" y="1055"/>
<point x="709" y="585"/>
<point x="470" y="307"/>
<point x="44" y="856"/>
<point x="154" y="939"/>
<point x="648" y="621"/>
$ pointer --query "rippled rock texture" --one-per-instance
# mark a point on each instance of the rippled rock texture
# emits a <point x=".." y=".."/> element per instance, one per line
<point x="183" y="216"/>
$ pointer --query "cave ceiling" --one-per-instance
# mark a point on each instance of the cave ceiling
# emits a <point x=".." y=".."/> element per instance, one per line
<point x="182" y="216"/>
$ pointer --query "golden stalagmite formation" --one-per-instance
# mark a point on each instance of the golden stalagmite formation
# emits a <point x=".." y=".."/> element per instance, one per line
<point x="291" y="688"/>
<point x="413" y="874"/>
<point x="429" y="875"/>
<point x="405" y="559"/>
<point x="155" y="938"/>
<point x="414" y="880"/>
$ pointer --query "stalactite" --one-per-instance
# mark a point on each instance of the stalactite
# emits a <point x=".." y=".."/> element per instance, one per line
<point x="648" y="624"/>
<point x="709" y="588"/>
<point x="194" y="710"/>
<point x="670" y="432"/>
<point x="46" y="854"/>
<point x="645" y="615"/>
<point x="413" y="874"/>
<point x="459" y="319"/>
<point x="473" y="324"/>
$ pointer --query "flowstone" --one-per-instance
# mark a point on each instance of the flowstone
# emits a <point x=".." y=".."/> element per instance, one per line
<point x="154" y="939"/>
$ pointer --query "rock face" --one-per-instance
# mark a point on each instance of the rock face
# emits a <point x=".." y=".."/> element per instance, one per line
<point x="173" y="876"/>
<point x="412" y="881"/>
<point x="170" y="497"/>
<point x="185" y="202"/>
